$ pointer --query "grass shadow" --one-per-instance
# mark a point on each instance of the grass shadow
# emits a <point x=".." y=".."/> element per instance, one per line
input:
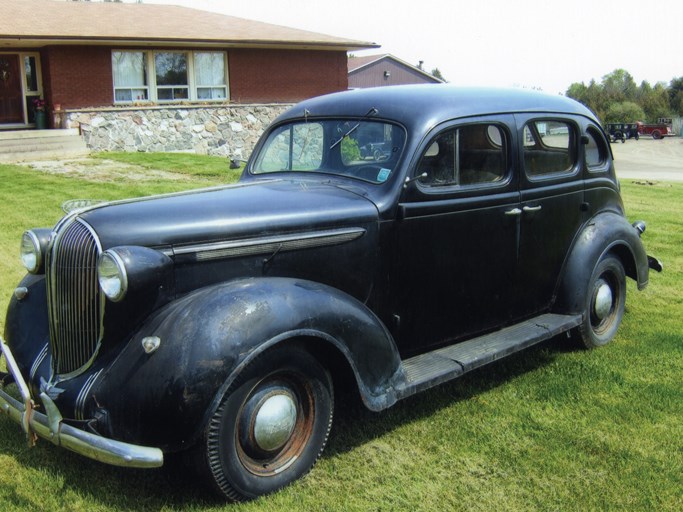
<point x="355" y="425"/>
<point x="138" y="489"/>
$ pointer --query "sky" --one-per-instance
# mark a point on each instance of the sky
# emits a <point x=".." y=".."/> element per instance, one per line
<point x="543" y="44"/>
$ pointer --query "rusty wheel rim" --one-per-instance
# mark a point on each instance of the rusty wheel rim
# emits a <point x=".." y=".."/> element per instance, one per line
<point x="275" y="423"/>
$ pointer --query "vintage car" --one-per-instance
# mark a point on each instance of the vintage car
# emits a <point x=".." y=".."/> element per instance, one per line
<point x="622" y="131"/>
<point x="217" y="322"/>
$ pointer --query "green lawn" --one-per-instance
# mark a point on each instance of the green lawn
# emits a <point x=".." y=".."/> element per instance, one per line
<point x="552" y="428"/>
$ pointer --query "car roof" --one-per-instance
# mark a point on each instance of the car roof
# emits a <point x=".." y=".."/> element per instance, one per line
<point x="428" y="104"/>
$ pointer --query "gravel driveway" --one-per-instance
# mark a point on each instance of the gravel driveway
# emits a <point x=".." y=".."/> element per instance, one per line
<point x="656" y="160"/>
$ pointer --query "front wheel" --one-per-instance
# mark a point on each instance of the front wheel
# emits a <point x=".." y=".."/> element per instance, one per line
<point x="604" y="303"/>
<point x="271" y="425"/>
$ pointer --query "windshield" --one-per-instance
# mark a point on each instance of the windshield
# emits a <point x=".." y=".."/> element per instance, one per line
<point x="366" y="150"/>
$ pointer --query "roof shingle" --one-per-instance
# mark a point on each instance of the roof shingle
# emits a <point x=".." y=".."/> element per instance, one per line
<point x="36" y="22"/>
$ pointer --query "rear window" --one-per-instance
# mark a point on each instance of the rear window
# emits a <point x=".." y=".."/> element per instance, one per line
<point x="549" y="148"/>
<point x="596" y="150"/>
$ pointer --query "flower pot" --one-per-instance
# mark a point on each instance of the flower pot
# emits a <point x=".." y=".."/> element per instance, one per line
<point x="40" y="120"/>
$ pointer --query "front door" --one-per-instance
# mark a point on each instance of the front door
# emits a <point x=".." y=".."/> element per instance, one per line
<point x="11" y="97"/>
<point x="456" y="237"/>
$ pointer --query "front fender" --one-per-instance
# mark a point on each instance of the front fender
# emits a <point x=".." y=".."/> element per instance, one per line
<point x="163" y="398"/>
<point x="606" y="232"/>
<point x="26" y="323"/>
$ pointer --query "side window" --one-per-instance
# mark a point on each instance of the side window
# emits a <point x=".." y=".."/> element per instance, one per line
<point x="549" y="148"/>
<point x="468" y="155"/>
<point x="596" y="150"/>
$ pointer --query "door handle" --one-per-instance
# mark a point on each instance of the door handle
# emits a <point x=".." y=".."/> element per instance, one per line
<point x="532" y="208"/>
<point x="514" y="212"/>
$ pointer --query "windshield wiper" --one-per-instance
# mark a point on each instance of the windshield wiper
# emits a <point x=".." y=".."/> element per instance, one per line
<point x="373" y="111"/>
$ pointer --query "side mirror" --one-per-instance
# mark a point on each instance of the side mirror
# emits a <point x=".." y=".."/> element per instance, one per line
<point x="236" y="162"/>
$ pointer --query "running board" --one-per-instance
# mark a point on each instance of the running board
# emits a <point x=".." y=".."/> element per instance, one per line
<point x="444" y="364"/>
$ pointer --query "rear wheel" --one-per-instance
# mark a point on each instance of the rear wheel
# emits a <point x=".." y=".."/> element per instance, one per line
<point x="604" y="306"/>
<point x="656" y="134"/>
<point x="271" y="425"/>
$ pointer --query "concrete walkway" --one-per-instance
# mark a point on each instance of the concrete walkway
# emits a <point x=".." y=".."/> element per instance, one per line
<point x="22" y="145"/>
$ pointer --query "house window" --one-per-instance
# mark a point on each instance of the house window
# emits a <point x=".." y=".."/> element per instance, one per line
<point x="130" y="76"/>
<point x="171" y="76"/>
<point x="209" y="68"/>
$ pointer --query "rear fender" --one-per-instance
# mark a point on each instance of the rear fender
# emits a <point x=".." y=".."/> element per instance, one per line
<point x="605" y="233"/>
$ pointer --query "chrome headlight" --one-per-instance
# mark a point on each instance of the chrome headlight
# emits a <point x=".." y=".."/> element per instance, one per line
<point x="141" y="274"/>
<point x="33" y="248"/>
<point x="111" y="273"/>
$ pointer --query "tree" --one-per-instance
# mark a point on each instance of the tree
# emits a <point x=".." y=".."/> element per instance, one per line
<point x="676" y="95"/>
<point x="655" y="101"/>
<point x="624" y="112"/>
<point x="590" y="95"/>
<point x="613" y="99"/>
<point x="619" y="86"/>
<point x="436" y="73"/>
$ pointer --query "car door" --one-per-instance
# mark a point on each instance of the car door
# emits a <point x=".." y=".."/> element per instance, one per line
<point x="552" y="204"/>
<point x="456" y="236"/>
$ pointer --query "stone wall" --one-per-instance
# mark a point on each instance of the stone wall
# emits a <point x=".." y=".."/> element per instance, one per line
<point x="224" y="130"/>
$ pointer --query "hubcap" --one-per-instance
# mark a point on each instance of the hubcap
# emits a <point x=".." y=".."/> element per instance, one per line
<point x="275" y="421"/>
<point x="602" y="302"/>
<point x="275" y="424"/>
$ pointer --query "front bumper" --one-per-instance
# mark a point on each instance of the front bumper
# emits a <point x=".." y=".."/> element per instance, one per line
<point x="51" y="427"/>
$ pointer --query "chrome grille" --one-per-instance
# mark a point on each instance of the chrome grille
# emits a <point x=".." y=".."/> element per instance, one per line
<point x="75" y="302"/>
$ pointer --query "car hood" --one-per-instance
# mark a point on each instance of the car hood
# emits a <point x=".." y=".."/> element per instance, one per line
<point x="229" y="213"/>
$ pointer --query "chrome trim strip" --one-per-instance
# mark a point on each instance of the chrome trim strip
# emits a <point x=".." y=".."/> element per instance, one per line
<point x="265" y="245"/>
<point x="79" y="410"/>
<point x="51" y="427"/>
<point x="39" y="360"/>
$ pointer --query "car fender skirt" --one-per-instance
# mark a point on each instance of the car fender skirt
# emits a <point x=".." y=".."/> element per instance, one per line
<point x="605" y="233"/>
<point x="164" y="397"/>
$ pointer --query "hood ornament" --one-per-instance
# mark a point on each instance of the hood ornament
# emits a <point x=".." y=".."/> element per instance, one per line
<point x="80" y="204"/>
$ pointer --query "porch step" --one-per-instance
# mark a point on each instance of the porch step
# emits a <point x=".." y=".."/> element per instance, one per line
<point x="441" y="365"/>
<point x="23" y="145"/>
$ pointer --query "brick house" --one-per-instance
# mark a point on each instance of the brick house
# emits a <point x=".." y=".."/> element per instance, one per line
<point x="115" y="66"/>
<point x="385" y="69"/>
